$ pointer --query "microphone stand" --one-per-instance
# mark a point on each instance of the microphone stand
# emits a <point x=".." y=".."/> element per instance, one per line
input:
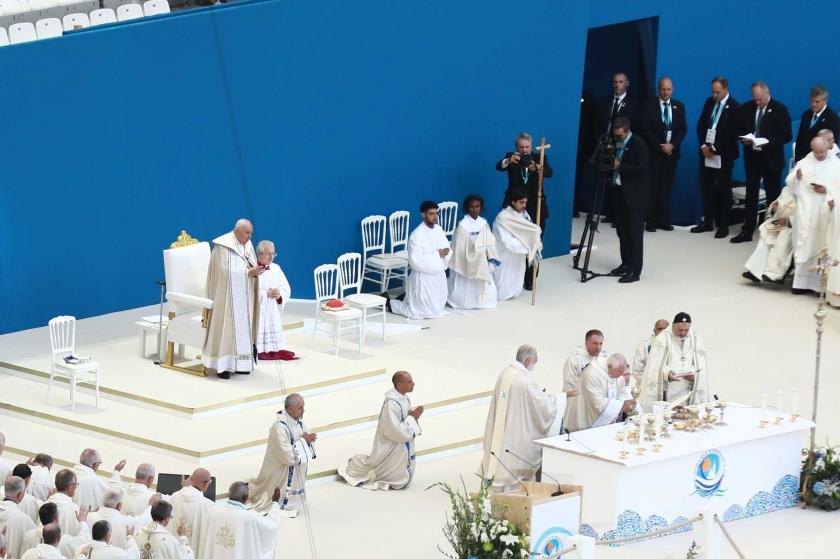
<point x="552" y="478"/>
<point x="516" y="479"/>
<point x="159" y="360"/>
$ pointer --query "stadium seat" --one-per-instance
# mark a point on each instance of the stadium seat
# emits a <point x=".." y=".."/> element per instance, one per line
<point x="71" y="21"/>
<point x="22" y="33"/>
<point x="155" y="7"/>
<point x="102" y="16"/>
<point x="49" y="27"/>
<point x="4" y="37"/>
<point x="129" y="11"/>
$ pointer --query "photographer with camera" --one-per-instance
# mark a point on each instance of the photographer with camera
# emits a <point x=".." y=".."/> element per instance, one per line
<point x="522" y="167"/>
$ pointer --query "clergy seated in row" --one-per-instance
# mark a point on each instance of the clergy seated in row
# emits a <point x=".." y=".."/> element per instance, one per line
<point x="390" y="464"/>
<point x="189" y="508"/>
<point x="474" y="258"/>
<point x="274" y="293"/>
<point x="642" y="351"/>
<point x="49" y="546"/>
<point x="29" y="504"/>
<point x="518" y="244"/>
<point x="287" y="455"/>
<point x="676" y="369"/>
<point x="138" y="494"/>
<point x="428" y="258"/>
<point x="41" y="485"/>
<point x="232" y="531"/>
<point x="103" y="547"/>
<point x="155" y="538"/>
<point x="92" y="486"/>
<point x="14" y="523"/>
<point x="122" y="525"/>
<point x="233" y="286"/>
<point x="71" y="517"/>
<point x="604" y="395"/>
<point x="67" y="545"/>
<point x="520" y="412"/>
<point x="581" y="357"/>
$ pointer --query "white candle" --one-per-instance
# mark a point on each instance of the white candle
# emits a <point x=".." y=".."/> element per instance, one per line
<point x="794" y="405"/>
<point x="779" y="395"/>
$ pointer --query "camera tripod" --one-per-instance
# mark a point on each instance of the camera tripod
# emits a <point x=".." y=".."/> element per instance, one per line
<point x="605" y="155"/>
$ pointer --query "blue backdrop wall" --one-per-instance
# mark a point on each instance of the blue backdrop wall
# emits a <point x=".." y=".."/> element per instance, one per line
<point x="307" y="116"/>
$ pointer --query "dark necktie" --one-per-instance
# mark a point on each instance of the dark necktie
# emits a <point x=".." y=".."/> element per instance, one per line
<point x="814" y="119"/>
<point x="666" y="115"/>
<point x="614" y="111"/>
<point x="758" y="121"/>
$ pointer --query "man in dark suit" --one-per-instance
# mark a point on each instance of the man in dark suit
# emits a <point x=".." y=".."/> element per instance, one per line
<point x="717" y="132"/>
<point x="661" y="123"/>
<point x="630" y="184"/>
<point x="766" y="119"/>
<point x="523" y="167"/>
<point x="621" y="104"/>
<point x="819" y="117"/>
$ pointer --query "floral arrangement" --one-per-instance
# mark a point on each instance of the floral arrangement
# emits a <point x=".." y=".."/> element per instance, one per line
<point x="821" y="477"/>
<point x="476" y="531"/>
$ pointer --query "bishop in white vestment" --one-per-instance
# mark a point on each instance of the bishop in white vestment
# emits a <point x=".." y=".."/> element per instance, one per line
<point x="68" y="510"/>
<point x="518" y="244"/>
<point x="190" y="507"/>
<point x="287" y="455"/>
<point x="14" y="523"/>
<point x="92" y="486"/>
<point x="642" y="351"/>
<point x="520" y="411"/>
<point x="428" y="258"/>
<point x="233" y="285"/>
<point x="49" y="546"/>
<point x="274" y="294"/>
<point x="604" y="394"/>
<point x="471" y="284"/>
<point x="390" y="465"/>
<point x="676" y="369"/>
<point x="773" y="254"/>
<point x="67" y="545"/>
<point x="155" y="540"/>
<point x="231" y="531"/>
<point x="41" y="486"/>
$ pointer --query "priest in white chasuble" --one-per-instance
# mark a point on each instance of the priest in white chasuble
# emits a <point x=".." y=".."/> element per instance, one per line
<point x="155" y="540"/>
<point x="642" y="351"/>
<point x="581" y="357"/>
<point x="232" y="531"/>
<point x="474" y="256"/>
<point x="287" y="456"/>
<point x="813" y="177"/>
<point x="428" y="258"/>
<point x="520" y="412"/>
<point x="604" y="394"/>
<point x="390" y="465"/>
<point x="773" y="253"/>
<point x="518" y="244"/>
<point x="14" y="523"/>
<point x="190" y="507"/>
<point x="274" y="293"/>
<point x="676" y="369"/>
<point x="233" y="285"/>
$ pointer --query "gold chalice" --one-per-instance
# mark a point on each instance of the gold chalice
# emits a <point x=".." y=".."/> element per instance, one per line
<point x="657" y="447"/>
<point x="640" y="450"/>
<point x="650" y="433"/>
<point x="667" y="414"/>
<point x="794" y="417"/>
<point x="722" y="405"/>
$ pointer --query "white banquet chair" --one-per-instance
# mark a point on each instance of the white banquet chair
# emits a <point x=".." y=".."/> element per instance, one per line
<point x="378" y="266"/>
<point x="448" y="217"/>
<point x="63" y="344"/>
<point x="350" y="279"/>
<point x="327" y="288"/>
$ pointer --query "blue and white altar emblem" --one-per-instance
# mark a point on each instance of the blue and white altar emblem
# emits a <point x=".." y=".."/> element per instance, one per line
<point x="708" y="474"/>
<point x="551" y="542"/>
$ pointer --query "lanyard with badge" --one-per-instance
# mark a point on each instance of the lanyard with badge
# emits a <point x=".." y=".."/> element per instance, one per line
<point x="711" y="133"/>
<point x="667" y="117"/>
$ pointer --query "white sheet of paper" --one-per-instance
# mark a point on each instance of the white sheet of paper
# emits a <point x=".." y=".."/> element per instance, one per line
<point x="712" y="162"/>
<point x="711" y="134"/>
<point x="757" y="142"/>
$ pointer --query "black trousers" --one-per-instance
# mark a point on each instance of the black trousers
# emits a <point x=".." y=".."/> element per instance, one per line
<point x="716" y="185"/>
<point x="759" y="168"/>
<point x="662" y="170"/>
<point x="630" y="226"/>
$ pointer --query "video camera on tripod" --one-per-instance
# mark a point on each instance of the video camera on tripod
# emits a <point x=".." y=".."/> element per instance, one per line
<point x="605" y="154"/>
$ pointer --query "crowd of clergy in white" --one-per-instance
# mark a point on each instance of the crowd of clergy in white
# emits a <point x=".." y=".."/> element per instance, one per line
<point x="801" y="222"/>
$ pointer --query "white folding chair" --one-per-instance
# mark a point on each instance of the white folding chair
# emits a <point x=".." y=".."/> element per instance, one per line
<point x="155" y="7"/>
<point x="377" y="265"/>
<point x="326" y="288"/>
<point x="22" y="33"/>
<point x="102" y="16"/>
<point x="4" y="37"/>
<point x="63" y="343"/>
<point x="448" y="217"/>
<point x="49" y="27"/>
<point x="129" y="11"/>
<point x="72" y="21"/>
<point x="398" y="228"/>
<point x="350" y="278"/>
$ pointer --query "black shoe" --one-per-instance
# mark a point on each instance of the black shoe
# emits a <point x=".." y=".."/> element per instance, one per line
<point x="224" y="374"/>
<point x="243" y="372"/>
<point x="650" y="228"/>
<point x="702" y="228"/>
<point x="620" y="271"/>
<point x="721" y="233"/>
<point x="614" y="225"/>
<point x="797" y="291"/>
<point x="751" y="277"/>
<point x="767" y="278"/>
<point x="741" y="238"/>
<point x="665" y="227"/>
<point x="629" y="277"/>
<point x="387" y="301"/>
<point x="528" y="287"/>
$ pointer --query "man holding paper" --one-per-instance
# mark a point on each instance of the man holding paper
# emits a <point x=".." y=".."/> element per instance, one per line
<point x="717" y="132"/>
<point x="765" y="130"/>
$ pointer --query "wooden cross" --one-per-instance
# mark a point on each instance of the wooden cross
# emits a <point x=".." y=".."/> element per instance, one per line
<point x="542" y="149"/>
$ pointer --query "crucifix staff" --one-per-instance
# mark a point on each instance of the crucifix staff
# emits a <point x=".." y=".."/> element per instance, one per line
<point x="541" y="148"/>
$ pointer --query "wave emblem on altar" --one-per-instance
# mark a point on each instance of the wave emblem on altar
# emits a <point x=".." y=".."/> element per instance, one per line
<point x="708" y="474"/>
<point x="552" y="542"/>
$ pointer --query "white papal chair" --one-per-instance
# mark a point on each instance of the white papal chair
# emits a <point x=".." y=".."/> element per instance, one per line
<point x="448" y="217"/>
<point x="327" y="288"/>
<point x="378" y="266"/>
<point x="63" y="344"/>
<point x="185" y="266"/>
<point x="350" y="279"/>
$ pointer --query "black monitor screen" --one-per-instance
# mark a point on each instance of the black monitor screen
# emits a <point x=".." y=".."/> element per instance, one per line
<point x="170" y="483"/>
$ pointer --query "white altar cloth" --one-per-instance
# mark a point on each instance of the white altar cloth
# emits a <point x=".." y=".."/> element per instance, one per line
<point x="739" y="470"/>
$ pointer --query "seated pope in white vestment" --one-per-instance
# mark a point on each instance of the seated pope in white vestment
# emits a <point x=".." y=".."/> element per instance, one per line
<point x="390" y="465"/>
<point x="642" y="351"/>
<point x="604" y="395"/>
<point x="190" y="506"/>
<point x="428" y="258"/>
<point x="14" y="523"/>
<point x="581" y="357"/>
<point x="518" y="245"/>
<point x="773" y="254"/>
<point x="232" y="531"/>
<point x="274" y="294"/>
<point x="155" y="540"/>
<point x="233" y="286"/>
<point x="287" y="455"/>
<point x="471" y="284"/>
<point x="520" y="412"/>
<point x="676" y="369"/>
